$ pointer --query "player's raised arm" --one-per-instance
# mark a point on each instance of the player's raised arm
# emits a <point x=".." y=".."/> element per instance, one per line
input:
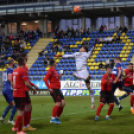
<point x="90" y="52"/>
<point x="68" y="56"/>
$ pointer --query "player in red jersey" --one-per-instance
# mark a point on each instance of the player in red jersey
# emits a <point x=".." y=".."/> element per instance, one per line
<point x="107" y="95"/>
<point x="28" y="106"/>
<point x="19" y="83"/>
<point x="128" y="82"/>
<point x="54" y="87"/>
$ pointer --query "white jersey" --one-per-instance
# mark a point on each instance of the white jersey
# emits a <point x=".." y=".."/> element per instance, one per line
<point x="81" y="59"/>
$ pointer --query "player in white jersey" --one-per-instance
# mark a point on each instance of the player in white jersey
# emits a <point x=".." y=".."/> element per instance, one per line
<point x="81" y="67"/>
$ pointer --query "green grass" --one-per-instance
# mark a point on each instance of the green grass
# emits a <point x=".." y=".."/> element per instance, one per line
<point x="77" y="118"/>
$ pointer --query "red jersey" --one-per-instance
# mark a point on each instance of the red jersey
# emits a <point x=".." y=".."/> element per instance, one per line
<point x="128" y="80"/>
<point x="19" y="77"/>
<point x="53" y="77"/>
<point x="107" y="85"/>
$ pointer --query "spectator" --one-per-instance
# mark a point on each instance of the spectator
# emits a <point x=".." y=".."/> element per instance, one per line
<point x="21" y="50"/>
<point x="11" y="37"/>
<point x="88" y="30"/>
<point x="60" y="48"/>
<point x="22" y="44"/>
<point x="117" y="29"/>
<point x="81" y="31"/>
<point x="69" y="34"/>
<point x="66" y="47"/>
<point x="77" y="33"/>
<point x="3" y="65"/>
<point x="107" y="61"/>
<point x="56" y="30"/>
<point x="45" y="63"/>
<point x="125" y="29"/>
<point x="15" y="55"/>
<point x="111" y="63"/>
<point x="101" y="29"/>
<point x="54" y="48"/>
<point x="105" y="28"/>
<point x="120" y="29"/>
<point x="41" y="53"/>
<point x="101" y="66"/>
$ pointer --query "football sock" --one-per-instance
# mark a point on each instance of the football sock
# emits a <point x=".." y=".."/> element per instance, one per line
<point x="17" y="121"/>
<point x="123" y="96"/>
<point x="29" y="117"/>
<point x="132" y="100"/>
<point x="111" y="106"/>
<point x="128" y="90"/>
<point x="99" y="109"/>
<point x="26" y="119"/>
<point x="91" y="94"/>
<point x="55" y="111"/>
<point x="20" y="123"/>
<point x="116" y="101"/>
<point x="60" y="110"/>
<point x="6" y="111"/>
<point x="13" y="111"/>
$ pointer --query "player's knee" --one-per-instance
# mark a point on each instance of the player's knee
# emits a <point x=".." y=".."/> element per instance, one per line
<point x="28" y="107"/>
<point x="63" y="103"/>
<point x="59" y="104"/>
<point x="112" y="105"/>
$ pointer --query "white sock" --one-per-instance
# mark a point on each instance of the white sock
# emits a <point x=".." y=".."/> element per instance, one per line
<point x="57" y="117"/>
<point x="132" y="108"/>
<point x="97" y="116"/>
<point x="91" y="94"/>
<point x="119" y="105"/>
<point x="28" y="125"/>
<point x="107" y="115"/>
<point x="52" y="117"/>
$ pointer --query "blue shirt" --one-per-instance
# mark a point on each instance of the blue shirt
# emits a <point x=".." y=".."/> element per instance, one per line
<point x="116" y="69"/>
<point x="7" y="85"/>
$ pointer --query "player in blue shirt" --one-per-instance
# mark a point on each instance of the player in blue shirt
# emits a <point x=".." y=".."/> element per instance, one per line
<point x="8" y="92"/>
<point x="119" y="83"/>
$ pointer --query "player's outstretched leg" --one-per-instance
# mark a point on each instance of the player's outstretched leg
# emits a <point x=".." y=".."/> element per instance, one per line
<point x="117" y="103"/>
<point x="98" y="111"/>
<point x="2" y="118"/>
<point x="123" y="96"/>
<point x="111" y="106"/>
<point x="132" y="103"/>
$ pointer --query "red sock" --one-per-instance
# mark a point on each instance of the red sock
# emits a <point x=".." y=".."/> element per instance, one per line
<point x="111" y="106"/>
<point x="29" y="117"/>
<point x="60" y="110"/>
<point x="132" y="100"/>
<point x="99" y="109"/>
<point x="55" y="111"/>
<point x="25" y="119"/>
<point x="18" y="123"/>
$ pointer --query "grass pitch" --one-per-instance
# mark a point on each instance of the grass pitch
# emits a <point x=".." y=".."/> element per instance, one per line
<point x="77" y="118"/>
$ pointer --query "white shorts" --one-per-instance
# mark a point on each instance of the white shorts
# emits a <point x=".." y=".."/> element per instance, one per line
<point x="83" y="74"/>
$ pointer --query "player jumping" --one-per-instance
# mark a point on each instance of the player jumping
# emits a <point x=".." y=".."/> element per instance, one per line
<point x="106" y="93"/>
<point x="128" y="82"/>
<point x="81" y="67"/>
<point x="54" y="87"/>
<point x="118" y="83"/>
<point x="28" y="106"/>
<point x="19" y="83"/>
<point x="8" y="92"/>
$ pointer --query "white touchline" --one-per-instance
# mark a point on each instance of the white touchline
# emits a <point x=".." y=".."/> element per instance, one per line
<point x="69" y="114"/>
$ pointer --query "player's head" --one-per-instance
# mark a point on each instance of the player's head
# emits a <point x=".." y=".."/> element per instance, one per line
<point x="21" y="61"/>
<point x="52" y="63"/>
<point x="83" y="49"/>
<point x="11" y="62"/>
<point x="24" y="55"/>
<point x="130" y="66"/>
<point x="108" y="70"/>
<point x="117" y="60"/>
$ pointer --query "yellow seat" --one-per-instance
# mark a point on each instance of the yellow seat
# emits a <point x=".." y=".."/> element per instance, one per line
<point x="16" y="62"/>
<point x="94" y="64"/>
<point x="83" y="39"/>
<point x="8" y="58"/>
<point x="124" y="48"/>
<point x="91" y="60"/>
<point x="128" y="41"/>
<point x="127" y="52"/>
<point x="123" y="34"/>
<point x="25" y="47"/>
<point x="97" y="63"/>
<point x="96" y="52"/>
<point x="71" y="46"/>
<point x="88" y="60"/>
<point x="29" y="47"/>
<point x="97" y="45"/>
<point x="126" y="44"/>
<point x="55" y="40"/>
<point x="28" y="44"/>
<point x="47" y="68"/>
<point x="62" y="53"/>
<point x="12" y="42"/>
<point x="89" y="64"/>
<point x="131" y="44"/>
<point x="100" y="45"/>
<point x="123" y="52"/>
<point x="98" y="48"/>
<point x="91" y="67"/>
<point x="58" y="53"/>
<point x="121" y="37"/>
<point x="121" y="55"/>
<point x="57" y="60"/>
<point x="126" y="55"/>
<point x="96" y="67"/>
<point x="115" y="34"/>
<point x="126" y="37"/>
<point x="75" y="46"/>
<point x="88" y="39"/>
<point x="52" y="40"/>
<point x="94" y="56"/>
<point x="123" y="41"/>
<point x="124" y="59"/>
<point x="129" y="48"/>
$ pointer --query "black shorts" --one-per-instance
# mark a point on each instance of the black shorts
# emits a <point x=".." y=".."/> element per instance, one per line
<point x="107" y="97"/>
<point x="28" y="100"/>
<point x="131" y="87"/>
<point x="20" y="102"/>
<point x="119" y="85"/>
<point x="57" y="95"/>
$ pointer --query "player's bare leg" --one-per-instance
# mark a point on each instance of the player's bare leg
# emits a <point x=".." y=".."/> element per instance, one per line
<point x="132" y="103"/>
<point x="27" y="118"/>
<point x="110" y="109"/>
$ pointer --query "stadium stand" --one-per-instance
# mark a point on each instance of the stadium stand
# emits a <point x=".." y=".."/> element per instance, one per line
<point x="124" y="49"/>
